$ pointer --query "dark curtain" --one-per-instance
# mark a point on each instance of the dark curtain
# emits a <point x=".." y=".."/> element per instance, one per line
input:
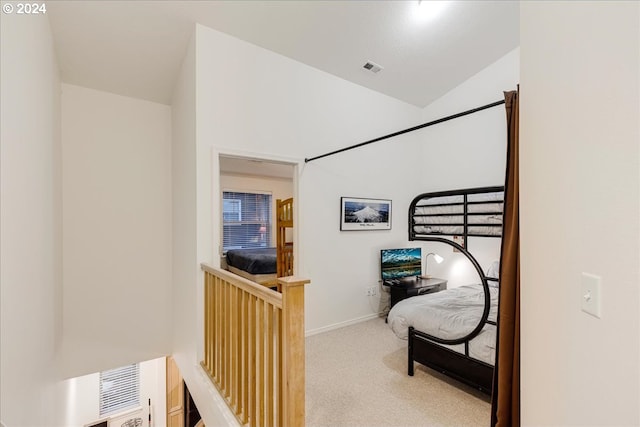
<point x="505" y="401"/>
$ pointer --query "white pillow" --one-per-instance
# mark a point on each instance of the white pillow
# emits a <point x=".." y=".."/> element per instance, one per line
<point x="493" y="271"/>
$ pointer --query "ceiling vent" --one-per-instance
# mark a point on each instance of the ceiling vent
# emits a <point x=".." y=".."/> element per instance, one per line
<point x="373" y="67"/>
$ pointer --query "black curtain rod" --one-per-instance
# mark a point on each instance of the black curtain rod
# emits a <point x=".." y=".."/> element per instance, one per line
<point x="424" y="125"/>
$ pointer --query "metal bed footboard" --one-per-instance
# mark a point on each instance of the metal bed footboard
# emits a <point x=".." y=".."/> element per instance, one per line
<point x="465" y="369"/>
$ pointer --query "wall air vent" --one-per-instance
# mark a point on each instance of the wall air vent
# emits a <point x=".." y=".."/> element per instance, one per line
<point x="373" y="67"/>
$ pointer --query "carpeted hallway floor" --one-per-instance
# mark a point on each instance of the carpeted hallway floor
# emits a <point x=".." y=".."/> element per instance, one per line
<point x="356" y="377"/>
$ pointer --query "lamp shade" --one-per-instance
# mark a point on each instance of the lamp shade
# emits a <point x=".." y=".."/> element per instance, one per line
<point x="438" y="259"/>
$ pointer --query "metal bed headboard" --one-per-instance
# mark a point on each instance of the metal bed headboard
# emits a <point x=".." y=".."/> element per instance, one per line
<point x="441" y="216"/>
<point x="468" y="212"/>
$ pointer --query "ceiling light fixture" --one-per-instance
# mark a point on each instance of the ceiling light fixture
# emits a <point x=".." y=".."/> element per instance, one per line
<point x="429" y="9"/>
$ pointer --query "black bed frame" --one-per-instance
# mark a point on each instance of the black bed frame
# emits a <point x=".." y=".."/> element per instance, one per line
<point x="427" y="349"/>
<point x="461" y="367"/>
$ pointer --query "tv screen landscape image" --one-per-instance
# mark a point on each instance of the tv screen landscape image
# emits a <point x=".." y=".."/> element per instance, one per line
<point x="399" y="263"/>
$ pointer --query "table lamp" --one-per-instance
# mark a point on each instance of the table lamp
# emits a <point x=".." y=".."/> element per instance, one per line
<point x="438" y="259"/>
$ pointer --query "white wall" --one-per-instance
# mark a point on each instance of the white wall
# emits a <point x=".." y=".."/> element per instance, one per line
<point x="116" y="181"/>
<point x="30" y="241"/>
<point x="82" y="396"/>
<point x="580" y="211"/>
<point x="285" y="108"/>
<point x="185" y="277"/>
<point x="282" y="111"/>
<point x="468" y="152"/>
<point x="183" y="183"/>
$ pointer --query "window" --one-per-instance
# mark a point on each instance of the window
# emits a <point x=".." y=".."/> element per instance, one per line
<point x="232" y="210"/>
<point x="246" y="220"/>
<point x="119" y="389"/>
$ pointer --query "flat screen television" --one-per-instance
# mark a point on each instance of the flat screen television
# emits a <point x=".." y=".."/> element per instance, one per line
<point x="399" y="263"/>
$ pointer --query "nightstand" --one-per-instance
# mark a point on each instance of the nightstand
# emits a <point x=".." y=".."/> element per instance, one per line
<point x="412" y="286"/>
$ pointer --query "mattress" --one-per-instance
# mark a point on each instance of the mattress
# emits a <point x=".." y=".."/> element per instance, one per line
<point x="253" y="261"/>
<point x="480" y="214"/>
<point x="263" y="279"/>
<point x="450" y="314"/>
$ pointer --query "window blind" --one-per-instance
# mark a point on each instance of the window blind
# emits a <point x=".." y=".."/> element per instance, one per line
<point x="119" y="389"/>
<point x="246" y="220"/>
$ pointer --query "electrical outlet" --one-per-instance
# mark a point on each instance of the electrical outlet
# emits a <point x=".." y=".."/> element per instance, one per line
<point x="372" y="291"/>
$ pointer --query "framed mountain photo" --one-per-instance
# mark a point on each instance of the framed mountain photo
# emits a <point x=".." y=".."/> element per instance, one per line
<point x="358" y="214"/>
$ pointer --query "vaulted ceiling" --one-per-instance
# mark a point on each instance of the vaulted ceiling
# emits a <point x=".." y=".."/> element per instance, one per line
<point x="135" y="48"/>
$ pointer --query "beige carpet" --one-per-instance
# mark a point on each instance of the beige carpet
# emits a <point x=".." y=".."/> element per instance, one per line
<point x="357" y="376"/>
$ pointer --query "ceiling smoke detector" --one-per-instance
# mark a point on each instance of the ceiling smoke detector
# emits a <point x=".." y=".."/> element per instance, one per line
<point x="373" y="67"/>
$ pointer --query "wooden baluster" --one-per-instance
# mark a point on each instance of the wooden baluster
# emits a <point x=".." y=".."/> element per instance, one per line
<point x="212" y="328"/>
<point x="260" y="364"/>
<point x="227" y="336"/>
<point x="232" y="354"/>
<point x="252" y="361"/>
<point x="279" y="377"/>
<point x="245" y="359"/>
<point x="206" y="321"/>
<point x="218" y="329"/>
<point x="271" y="368"/>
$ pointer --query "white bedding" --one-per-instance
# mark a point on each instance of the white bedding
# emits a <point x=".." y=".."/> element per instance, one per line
<point x="459" y="230"/>
<point x="449" y="314"/>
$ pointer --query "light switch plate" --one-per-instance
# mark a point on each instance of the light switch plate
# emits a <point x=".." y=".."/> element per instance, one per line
<point x="590" y="293"/>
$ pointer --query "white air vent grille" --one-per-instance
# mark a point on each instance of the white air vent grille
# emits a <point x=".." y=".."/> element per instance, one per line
<point x="373" y="67"/>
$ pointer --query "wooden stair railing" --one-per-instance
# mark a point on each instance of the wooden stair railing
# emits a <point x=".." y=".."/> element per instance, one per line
<point x="254" y="347"/>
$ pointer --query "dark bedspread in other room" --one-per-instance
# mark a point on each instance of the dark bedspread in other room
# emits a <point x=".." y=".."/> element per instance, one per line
<point x="253" y="261"/>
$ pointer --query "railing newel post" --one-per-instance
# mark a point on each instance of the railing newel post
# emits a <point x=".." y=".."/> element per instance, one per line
<point x="293" y="350"/>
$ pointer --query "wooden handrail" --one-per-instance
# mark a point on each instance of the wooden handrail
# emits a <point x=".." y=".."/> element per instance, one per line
<point x="261" y="291"/>
<point x="254" y="347"/>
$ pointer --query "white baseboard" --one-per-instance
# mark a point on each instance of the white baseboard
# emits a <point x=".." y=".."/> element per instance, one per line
<point x="339" y="325"/>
